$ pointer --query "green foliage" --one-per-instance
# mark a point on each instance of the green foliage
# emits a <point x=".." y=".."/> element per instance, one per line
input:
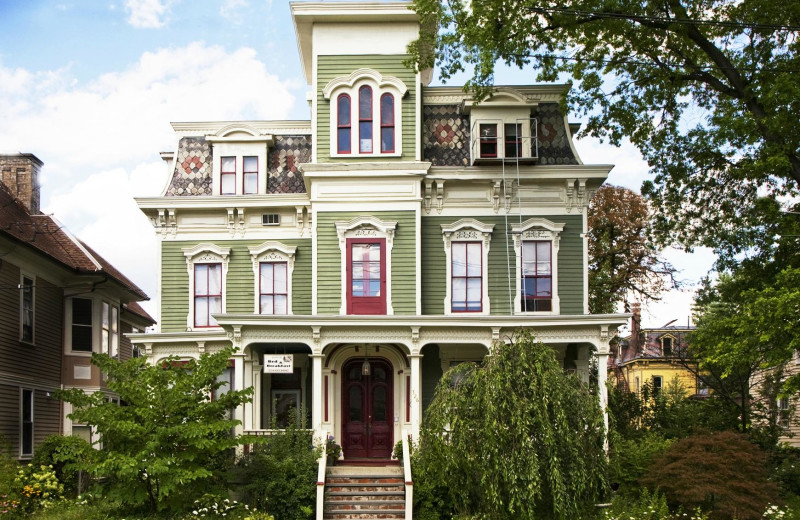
<point x="631" y="457"/>
<point x="8" y="467"/>
<point x="65" y="454"/>
<point x="705" y="90"/>
<point x="512" y="438"/>
<point x="646" y="506"/>
<point x="623" y="259"/>
<point x="722" y="473"/>
<point x="786" y="461"/>
<point x="170" y="441"/>
<point x="35" y="487"/>
<point x="279" y="476"/>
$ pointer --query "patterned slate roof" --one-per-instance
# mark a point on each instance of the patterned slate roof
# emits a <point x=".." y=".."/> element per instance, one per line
<point x="553" y="140"/>
<point x="193" y="167"/>
<point x="43" y="233"/>
<point x="283" y="158"/>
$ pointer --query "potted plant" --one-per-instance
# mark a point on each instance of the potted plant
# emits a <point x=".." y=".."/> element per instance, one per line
<point x="333" y="450"/>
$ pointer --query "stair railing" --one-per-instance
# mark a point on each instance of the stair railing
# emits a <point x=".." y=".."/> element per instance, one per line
<point x="321" y="482"/>
<point x="407" y="477"/>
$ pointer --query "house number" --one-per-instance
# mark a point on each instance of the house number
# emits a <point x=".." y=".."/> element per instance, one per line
<point x="466" y="234"/>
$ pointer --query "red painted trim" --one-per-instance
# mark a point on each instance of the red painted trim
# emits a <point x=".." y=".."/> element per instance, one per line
<point x="408" y="398"/>
<point x="223" y="173"/>
<point x="273" y="293"/>
<point x="348" y="126"/>
<point x="536" y="275"/>
<point x="365" y="93"/>
<point x="376" y="304"/>
<point x="409" y="483"/>
<point x="326" y="398"/>
<point x="207" y="296"/>
<point x="320" y="483"/>
<point x="466" y="277"/>
<point x="389" y="123"/>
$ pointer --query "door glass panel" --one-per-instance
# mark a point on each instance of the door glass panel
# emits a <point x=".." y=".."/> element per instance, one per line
<point x="355" y="403"/>
<point x="379" y="373"/>
<point x="354" y="374"/>
<point x="379" y="404"/>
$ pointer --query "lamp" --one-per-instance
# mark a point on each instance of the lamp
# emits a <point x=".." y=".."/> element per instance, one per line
<point x="365" y="364"/>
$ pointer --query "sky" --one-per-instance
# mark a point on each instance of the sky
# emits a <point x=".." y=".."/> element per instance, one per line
<point x="90" y="87"/>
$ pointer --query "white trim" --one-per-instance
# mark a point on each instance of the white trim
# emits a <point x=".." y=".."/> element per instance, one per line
<point x="467" y="230"/>
<point x="380" y="85"/>
<point x="68" y="323"/>
<point x="538" y="229"/>
<point x="363" y="226"/>
<point x="205" y="253"/>
<point x="272" y="251"/>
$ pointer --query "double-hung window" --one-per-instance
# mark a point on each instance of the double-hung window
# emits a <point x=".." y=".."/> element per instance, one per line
<point x="26" y="423"/>
<point x="81" y="326"/>
<point x="110" y="330"/>
<point x="365" y="119"/>
<point x="513" y="140"/>
<point x="273" y="288"/>
<point x="488" y="140"/>
<point x="26" y="310"/>
<point x="207" y="294"/>
<point x="250" y="174"/>
<point x="467" y="276"/>
<point x="227" y="176"/>
<point x="387" y="123"/>
<point x="366" y="276"/>
<point x="537" y="276"/>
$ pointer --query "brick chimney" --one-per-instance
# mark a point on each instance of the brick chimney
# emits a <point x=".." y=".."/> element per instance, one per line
<point x="20" y="173"/>
<point x="636" y="327"/>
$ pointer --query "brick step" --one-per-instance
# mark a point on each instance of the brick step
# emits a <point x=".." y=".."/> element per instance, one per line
<point x="364" y="479"/>
<point x="339" y="496"/>
<point x="363" y="516"/>
<point x="369" y="505"/>
<point x="362" y="488"/>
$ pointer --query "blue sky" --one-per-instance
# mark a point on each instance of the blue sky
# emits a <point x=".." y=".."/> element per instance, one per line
<point x="90" y="87"/>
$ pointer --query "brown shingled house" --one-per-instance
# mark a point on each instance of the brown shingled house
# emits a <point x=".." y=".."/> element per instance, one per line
<point x="59" y="302"/>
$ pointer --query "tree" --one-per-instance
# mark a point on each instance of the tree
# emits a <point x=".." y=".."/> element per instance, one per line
<point x="705" y="89"/>
<point x="168" y="438"/>
<point x="514" y="437"/>
<point x="622" y="257"/>
<point x="718" y="472"/>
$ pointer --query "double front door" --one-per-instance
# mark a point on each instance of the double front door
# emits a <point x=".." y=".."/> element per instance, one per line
<point x="367" y="409"/>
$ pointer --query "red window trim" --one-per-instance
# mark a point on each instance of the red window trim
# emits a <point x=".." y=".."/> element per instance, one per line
<point x="348" y="126"/>
<point x="524" y="296"/>
<point x="481" y="140"/>
<point x="366" y="88"/>
<point x="223" y="173"/>
<point x="377" y="304"/>
<point x="466" y="277"/>
<point x="206" y="296"/>
<point x="390" y="124"/>
<point x="273" y="293"/>
<point x="245" y="173"/>
<point x="516" y="141"/>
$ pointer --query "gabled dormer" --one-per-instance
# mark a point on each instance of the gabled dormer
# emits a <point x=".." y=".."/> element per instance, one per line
<point x="241" y="152"/>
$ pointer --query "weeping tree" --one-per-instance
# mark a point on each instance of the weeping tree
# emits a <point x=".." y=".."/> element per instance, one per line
<point x="513" y="437"/>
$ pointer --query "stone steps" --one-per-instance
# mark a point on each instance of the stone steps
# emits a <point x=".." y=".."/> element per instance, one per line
<point x="354" y="492"/>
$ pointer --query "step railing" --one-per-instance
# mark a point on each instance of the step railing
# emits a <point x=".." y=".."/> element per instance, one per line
<point x="407" y="477"/>
<point x="321" y="482"/>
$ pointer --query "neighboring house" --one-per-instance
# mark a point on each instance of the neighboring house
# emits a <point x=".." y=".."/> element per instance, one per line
<point x="782" y="409"/>
<point x="352" y="258"/>
<point x="655" y="356"/>
<point x="59" y="302"/>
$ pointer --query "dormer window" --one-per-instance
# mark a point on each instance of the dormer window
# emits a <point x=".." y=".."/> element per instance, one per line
<point x="667" y="346"/>
<point x="242" y="152"/>
<point x="250" y="173"/>
<point x="227" y="176"/>
<point x="373" y="100"/>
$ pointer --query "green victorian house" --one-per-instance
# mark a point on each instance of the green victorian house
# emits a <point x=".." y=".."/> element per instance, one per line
<point x="354" y="257"/>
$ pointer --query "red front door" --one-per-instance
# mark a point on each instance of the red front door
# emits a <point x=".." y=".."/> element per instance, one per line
<point x="367" y="410"/>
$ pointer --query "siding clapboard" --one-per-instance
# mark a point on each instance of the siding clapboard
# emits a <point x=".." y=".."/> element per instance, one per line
<point x="330" y="67"/>
<point x="239" y="285"/>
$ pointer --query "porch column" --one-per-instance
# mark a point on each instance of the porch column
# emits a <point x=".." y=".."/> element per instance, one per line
<point x="257" y="398"/>
<point x="416" y="395"/>
<point x="238" y="384"/>
<point x="248" y="407"/>
<point x="602" y="391"/>
<point x="316" y="395"/>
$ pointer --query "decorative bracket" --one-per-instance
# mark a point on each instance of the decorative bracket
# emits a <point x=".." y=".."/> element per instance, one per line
<point x="427" y="189"/>
<point x="496" y="196"/>
<point x="415" y="336"/>
<point x="570" y="199"/>
<point x="315" y="334"/>
<point x="439" y="195"/>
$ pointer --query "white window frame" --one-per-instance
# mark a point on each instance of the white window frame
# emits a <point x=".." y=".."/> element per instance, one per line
<point x="672" y="340"/>
<point x="23" y="276"/>
<point x="467" y="230"/>
<point x="380" y="84"/>
<point x="271" y="251"/>
<point x="68" y="320"/>
<point x="205" y="253"/>
<point x="537" y="229"/>
<point x="112" y="346"/>
<point x="366" y="227"/>
<point x="239" y="141"/>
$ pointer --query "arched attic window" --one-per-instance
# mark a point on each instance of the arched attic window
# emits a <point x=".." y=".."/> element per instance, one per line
<point x="387" y="123"/>
<point x="365" y="119"/>
<point x="343" y="133"/>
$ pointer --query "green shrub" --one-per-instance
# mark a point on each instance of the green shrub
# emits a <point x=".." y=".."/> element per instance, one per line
<point x="63" y="453"/>
<point x="630" y="458"/>
<point x="647" y="506"/>
<point x="280" y="475"/>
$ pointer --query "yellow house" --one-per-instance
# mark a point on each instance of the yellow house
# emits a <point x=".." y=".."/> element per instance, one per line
<point x="653" y="355"/>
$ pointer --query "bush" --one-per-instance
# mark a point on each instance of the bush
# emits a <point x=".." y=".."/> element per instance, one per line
<point x="722" y="473"/>
<point x="63" y="453"/>
<point x="630" y="458"/>
<point x="280" y="475"/>
<point x="648" y="506"/>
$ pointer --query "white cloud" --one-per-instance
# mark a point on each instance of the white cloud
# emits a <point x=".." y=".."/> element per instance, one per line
<point x="230" y="10"/>
<point x="148" y="14"/>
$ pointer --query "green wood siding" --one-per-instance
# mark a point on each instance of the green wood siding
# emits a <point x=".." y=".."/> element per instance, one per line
<point x="570" y="264"/>
<point x="329" y="261"/>
<point x="239" y="285"/>
<point x="330" y="67"/>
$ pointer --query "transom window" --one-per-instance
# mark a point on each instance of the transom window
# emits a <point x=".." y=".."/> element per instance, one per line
<point x="467" y="276"/>
<point x="537" y="276"/>
<point x="274" y="291"/>
<point x="207" y="294"/>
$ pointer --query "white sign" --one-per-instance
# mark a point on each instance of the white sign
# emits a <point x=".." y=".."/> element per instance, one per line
<point x="278" y="363"/>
